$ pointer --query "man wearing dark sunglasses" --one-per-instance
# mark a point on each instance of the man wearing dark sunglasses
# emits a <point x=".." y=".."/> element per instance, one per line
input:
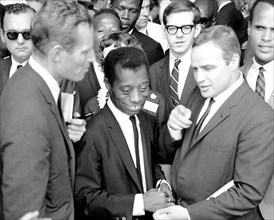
<point x="15" y="33"/>
<point x="172" y="76"/>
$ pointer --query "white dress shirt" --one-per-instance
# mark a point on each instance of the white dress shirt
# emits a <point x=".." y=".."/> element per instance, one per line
<point x="14" y="65"/>
<point x="183" y="68"/>
<point x="253" y="73"/>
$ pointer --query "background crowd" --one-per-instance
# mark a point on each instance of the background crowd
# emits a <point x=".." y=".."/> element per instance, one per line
<point x="136" y="109"/>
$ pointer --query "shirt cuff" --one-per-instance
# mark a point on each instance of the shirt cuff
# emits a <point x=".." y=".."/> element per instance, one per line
<point x="138" y="205"/>
<point x="188" y="217"/>
<point x="175" y="134"/>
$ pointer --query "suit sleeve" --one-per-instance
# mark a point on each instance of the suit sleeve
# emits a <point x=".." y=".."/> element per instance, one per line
<point x="252" y="173"/>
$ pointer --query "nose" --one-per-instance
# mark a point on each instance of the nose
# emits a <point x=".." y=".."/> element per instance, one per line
<point x="135" y="96"/>
<point x="91" y="56"/>
<point x="268" y="34"/>
<point x="145" y="11"/>
<point x="125" y="14"/>
<point x="180" y="33"/>
<point x="20" y="39"/>
<point x="198" y="75"/>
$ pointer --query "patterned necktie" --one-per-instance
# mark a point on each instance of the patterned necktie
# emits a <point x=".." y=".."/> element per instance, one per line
<point x="174" y="83"/>
<point x="260" y="84"/>
<point x="136" y="140"/>
<point x="198" y="126"/>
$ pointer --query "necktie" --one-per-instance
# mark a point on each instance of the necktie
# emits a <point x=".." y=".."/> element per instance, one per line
<point x="136" y="138"/>
<point x="202" y="119"/>
<point x="174" y="83"/>
<point x="19" y="66"/>
<point x="260" y="84"/>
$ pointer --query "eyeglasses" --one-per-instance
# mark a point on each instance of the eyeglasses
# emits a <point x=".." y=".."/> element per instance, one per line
<point x="172" y="29"/>
<point x="13" y="35"/>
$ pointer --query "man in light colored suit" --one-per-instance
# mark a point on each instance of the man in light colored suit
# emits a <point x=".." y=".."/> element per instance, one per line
<point x="228" y="137"/>
<point x="37" y="155"/>
<point x="261" y="39"/>
<point x="113" y="178"/>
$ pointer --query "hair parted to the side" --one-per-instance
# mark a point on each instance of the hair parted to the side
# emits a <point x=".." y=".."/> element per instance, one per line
<point x="223" y="37"/>
<point x="177" y="6"/>
<point x="56" y="22"/>
<point x="131" y="58"/>
<point x="16" y="8"/>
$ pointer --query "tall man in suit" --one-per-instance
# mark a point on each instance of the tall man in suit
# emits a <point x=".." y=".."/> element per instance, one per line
<point x="106" y="21"/>
<point x="259" y="71"/>
<point x="116" y="170"/>
<point x="172" y="76"/>
<point x="37" y="156"/>
<point x="129" y="11"/>
<point x="228" y="137"/>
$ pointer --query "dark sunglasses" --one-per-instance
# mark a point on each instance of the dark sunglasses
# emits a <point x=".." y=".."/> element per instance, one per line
<point x="13" y="35"/>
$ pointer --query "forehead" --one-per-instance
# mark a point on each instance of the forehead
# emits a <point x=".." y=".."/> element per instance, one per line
<point x="18" y="21"/>
<point x="106" y="19"/>
<point x="264" y="12"/>
<point x="180" y="18"/>
<point x="127" y="3"/>
<point x="145" y="3"/>
<point x="131" y="77"/>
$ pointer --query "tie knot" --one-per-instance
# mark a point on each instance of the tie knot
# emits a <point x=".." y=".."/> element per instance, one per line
<point x="261" y="70"/>
<point x="132" y="119"/>
<point x="19" y="66"/>
<point x="177" y="62"/>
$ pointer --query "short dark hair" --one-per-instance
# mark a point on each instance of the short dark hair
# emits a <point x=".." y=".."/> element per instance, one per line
<point x="271" y="2"/>
<point x="182" y="6"/>
<point x="141" y="1"/>
<point x="17" y="8"/>
<point x="108" y="11"/>
<point x="222" y="36"/>
<point x="127" y="57"/>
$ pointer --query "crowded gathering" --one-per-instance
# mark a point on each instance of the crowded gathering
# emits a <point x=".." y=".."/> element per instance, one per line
<point x="137" y="110"/>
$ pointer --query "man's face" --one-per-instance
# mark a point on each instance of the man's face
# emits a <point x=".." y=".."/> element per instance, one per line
<point x="75" y="64"/>
<point x="261" y="33"/>
<point x="104" y="24"/>
<point x="211" y="72"/>
<point x="19" y="48"/>
<point x="144" y="15"/>
<point x="129" y="11"/>
<point x="130" y="89"/>
<point x="180" y="43"/>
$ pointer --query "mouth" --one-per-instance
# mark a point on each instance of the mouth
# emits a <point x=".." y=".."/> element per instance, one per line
<point x="125" y="25"/>
<point x="266" y="48"/>
<point x="203" y="87"/>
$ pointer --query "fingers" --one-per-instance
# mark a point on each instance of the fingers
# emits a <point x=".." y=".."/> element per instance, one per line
<point x="179" y="118"/>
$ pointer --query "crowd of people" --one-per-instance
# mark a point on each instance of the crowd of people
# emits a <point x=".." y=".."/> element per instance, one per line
<point x="136" y="109"/>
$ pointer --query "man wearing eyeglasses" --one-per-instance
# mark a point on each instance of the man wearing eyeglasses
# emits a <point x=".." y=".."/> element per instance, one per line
<point x="172" y="76"/>
<point x="15" y="33"/>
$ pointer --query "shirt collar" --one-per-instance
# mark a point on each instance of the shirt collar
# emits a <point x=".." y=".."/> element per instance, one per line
<point x="222" y="97"/>
<point x="269" y="69"/>
<point x="14" y="65"/>
<point x="184" y="59"/>
<point x="47" y="77"/>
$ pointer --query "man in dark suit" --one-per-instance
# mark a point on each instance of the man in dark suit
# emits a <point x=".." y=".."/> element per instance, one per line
<point x="181" y="21"/>
<point x="227" y="141"/>
<point x="129" y="11"/>
<point x="37" y="156"/>
<point x="260" y="71"/>
<point x="229" y="15"/>
<point x="106" y="21"/>
<point x="115" y="175"/>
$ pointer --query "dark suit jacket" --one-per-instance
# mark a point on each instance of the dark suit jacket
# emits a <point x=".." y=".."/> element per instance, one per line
<point x="153" y="49"/>
<point x="237" y="143"/>
<point x="37" y="156"/>
<point x="88" y="87"/>
<point x="5" y="65"/>
<point x="160" y="81"/>
<point x="229" y="15"/>
<point x="106" y="177"/>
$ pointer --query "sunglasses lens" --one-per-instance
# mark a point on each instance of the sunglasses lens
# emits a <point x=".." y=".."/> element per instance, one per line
<point x="26" y="35"/>
<point x="12" y="35"/>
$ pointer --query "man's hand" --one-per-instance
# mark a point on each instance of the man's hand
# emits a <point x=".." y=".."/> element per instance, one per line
<point x="154" y="200"/>
<point x="175" y="212"/>
<point x="33" y="216"/>
<point x="76" y="127"/>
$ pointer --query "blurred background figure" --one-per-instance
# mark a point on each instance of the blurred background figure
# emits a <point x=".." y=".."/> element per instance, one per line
<point x="145" y="26"/>
<point x="99" y="4"/>
<point x="36" y="4"/>
<point x="208" y="9"/>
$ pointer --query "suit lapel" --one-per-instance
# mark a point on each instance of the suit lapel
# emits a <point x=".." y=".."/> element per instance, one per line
<point x="54" y="109"/>
<point x="121" y="145"/>
<point x="223" y="112"/>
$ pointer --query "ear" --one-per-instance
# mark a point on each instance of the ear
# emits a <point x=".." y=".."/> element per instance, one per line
<point x="2" y="35"/>
<point x="197" y="30"/>
<point x="57" y="53"/>
<point x="106" y="81"/>
<point x="234" y="62"/>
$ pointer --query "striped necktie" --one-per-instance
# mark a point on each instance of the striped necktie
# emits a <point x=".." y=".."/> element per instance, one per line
<point x="260" y="84"/>
<point x="174" y="83"/>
